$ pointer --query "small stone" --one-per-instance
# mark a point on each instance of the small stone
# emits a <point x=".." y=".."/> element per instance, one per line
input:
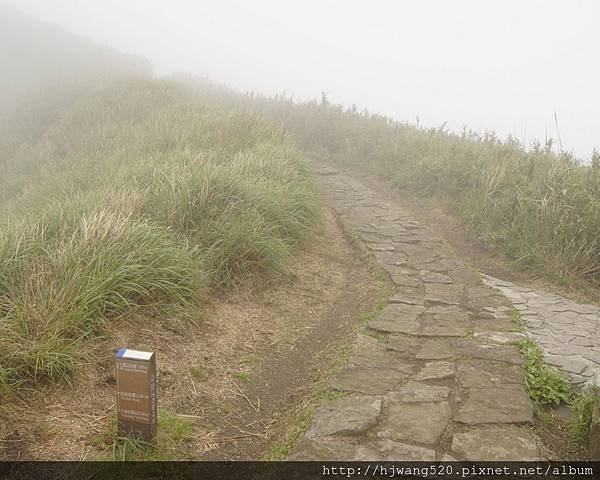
<point x="370" y="381"/>
<point x="496" y="405"/>
<point x="351" y="415"/>
<point x="563" y="412"/>
<point x="436" y="371"/>
<point x="501" y="444"/>
<point x="412" y="392"/>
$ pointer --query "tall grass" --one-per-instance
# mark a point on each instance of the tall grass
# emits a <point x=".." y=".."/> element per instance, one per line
<point x="539" y="207"/>
<point x="134" y="194"/>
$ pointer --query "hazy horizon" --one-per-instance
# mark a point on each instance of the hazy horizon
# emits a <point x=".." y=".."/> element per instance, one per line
<point x="500" y="65"/>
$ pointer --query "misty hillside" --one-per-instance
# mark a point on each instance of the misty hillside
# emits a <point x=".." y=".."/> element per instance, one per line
<point x="35" y="55"/>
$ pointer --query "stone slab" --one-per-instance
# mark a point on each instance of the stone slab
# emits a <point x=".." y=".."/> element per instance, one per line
<point x="351" y="415"/>
<point x="436" y="371"/>
<point x="369" y="381"/>
<point x="414" y="392"/>
<point x="495" y="445"/>
<point x="496" y="405"/>
<point x="422" y="423"/>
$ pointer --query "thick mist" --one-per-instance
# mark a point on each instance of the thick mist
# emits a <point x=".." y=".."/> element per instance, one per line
<point x="502" y="65"/>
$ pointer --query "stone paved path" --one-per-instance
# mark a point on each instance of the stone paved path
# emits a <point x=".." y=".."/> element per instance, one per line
<point x="568" y="332"/>
<point x="435" y="376"/>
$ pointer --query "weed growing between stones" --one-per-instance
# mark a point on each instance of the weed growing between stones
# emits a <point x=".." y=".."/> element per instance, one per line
<point x="582" y="407"/>
<point x="516" y="318"/>
<point x="545" y="384"/>
<point x="548" y="387"/>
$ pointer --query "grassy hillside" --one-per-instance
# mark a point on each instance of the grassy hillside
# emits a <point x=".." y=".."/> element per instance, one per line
<point x="129" y="195"/>
<point x="36" y="55"/>
<point x="540" y="208"/>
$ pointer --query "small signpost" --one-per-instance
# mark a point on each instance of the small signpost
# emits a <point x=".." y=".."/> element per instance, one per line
<point x="136" y="393"/>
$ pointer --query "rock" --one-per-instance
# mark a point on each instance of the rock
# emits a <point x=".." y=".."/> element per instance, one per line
<point x="391" y="258"/>
<point x="496" y="405"/>
<point x="436" y="371"/>
<point x="486" y="351"/>
<point x="351" y="415"/>
<point x="405" y="346"/>
<point x="416" y="422"/>
<point x="500" y="444"/>
<point x="453" y="322"/>
<point x="398" y="319"/>
<point x="404" y="280"/>
<point x="448" y="294"/>
<point x="500" y="338"/>
<point x="465" y="276"/>
<point x="378" y="356"/>
<point x="434" y="277"/>
<point x="563" y="412"/>
<point x="401" y="452"/>
<point x="567" y="363"/>
<point x="435" y="349"/>
<point x="408" y="299"/>
<point x="474" y="373"/>
<point x="412" y="392"/>
<point x="370" y="381"/>
<point x="327" y="448"/>
<point x="380" y="247"/>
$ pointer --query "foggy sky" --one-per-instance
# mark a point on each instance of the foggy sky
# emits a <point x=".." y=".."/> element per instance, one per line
<point x="505" y="65"/>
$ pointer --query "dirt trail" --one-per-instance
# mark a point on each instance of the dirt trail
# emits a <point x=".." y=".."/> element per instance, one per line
<point x="435" y="376"/>
<point x="345" y="288"/>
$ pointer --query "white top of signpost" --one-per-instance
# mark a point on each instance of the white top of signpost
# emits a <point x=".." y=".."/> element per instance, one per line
<point x="133" y="354"/>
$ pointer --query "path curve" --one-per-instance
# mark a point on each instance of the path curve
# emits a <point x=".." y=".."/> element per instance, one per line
<point x="435" y="375"/>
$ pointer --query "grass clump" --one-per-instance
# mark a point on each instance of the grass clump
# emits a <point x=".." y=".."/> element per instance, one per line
<point x="174" y="441"/>
<point x="517" y="319"/>
<point x="582" y="407"/>
<point x="135" y="195"/>
<point x="545" y="385"/>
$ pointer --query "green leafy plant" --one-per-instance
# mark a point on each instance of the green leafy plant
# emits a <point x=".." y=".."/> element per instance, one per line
<point x="545" y="385"/>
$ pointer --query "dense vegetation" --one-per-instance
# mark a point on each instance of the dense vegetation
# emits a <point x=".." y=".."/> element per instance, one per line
<point x="132" y="194"/>
<point x="539" y="207"/>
